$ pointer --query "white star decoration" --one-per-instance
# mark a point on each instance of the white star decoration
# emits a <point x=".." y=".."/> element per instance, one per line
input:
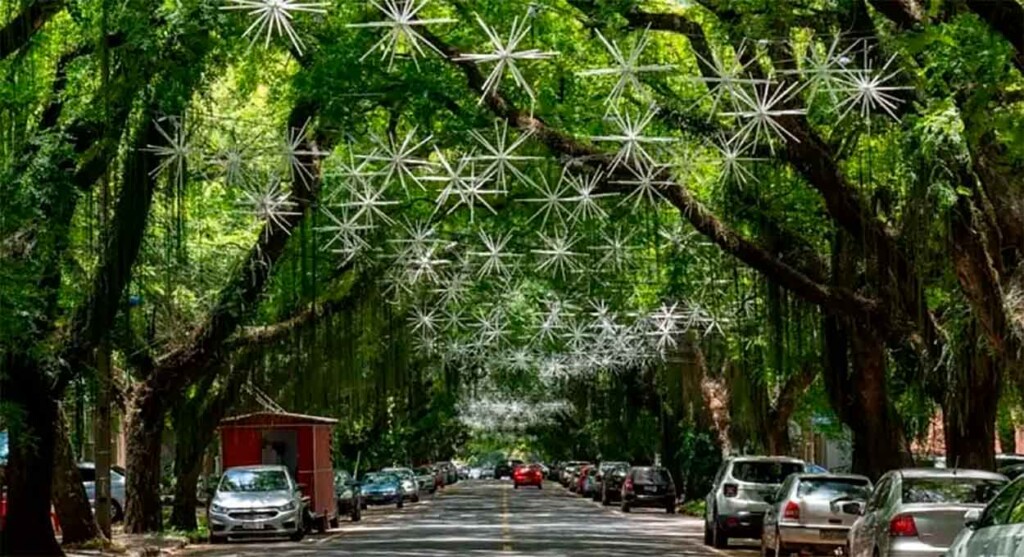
<point x="557" y="255"/>
<point x="553" y="201"/>
<point x="275" y="17"/>
<point x="494" y="256"/>
<point x="647" y="184"/>
<point x="586" y="198"/>
<point x="504" y="55"/>
<point x="866" y="91"/>
<point x="759" y="110"/>
<point x="616" y="251"/>
<point x="627" y="68"/>
<point x="295" y="152"/>
<point x="175" y="152"/>
<point x="500" y="156"/>
<point x="271" y="204"/>
<point x="399" y="158"/>
<point x="462" y="183"/>
<point x="401" y="21"/>
<point x="633" y="142"/>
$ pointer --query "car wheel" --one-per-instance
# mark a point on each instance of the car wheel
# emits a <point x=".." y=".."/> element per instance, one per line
<point x="116" y="512"/>
<point x="401" y="503"/>
<point x="540" y="486"/>
<point x="515" y="486"/>
<point x="721" y="540"/>
<point x="708" y="539"/>
<point x="671" y="508"/>
<point x="298" y="535"/>
<point x="335" y="523"/>
<point x="765" y="552"/>
<point x="216" y="540"/>
<point x="625" y="507"/>
<point x="605" y="500"/>
<point x="363" y="506"/>
<point x="415" y="498"/>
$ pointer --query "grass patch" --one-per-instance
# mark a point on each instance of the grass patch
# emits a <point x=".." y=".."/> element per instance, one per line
<point x="693" y="508"/>
<point x="98" y="544"/>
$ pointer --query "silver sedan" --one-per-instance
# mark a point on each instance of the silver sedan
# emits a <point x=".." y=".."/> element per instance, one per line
<point x="919" y="512"/>
<point x="256" y="501"/>
<point x="813" y="513"/>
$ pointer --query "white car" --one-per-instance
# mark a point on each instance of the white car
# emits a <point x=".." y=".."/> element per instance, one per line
<point x="117" y="489"/>
<point x="997" y="530"/>
<point x="740" y="496"/>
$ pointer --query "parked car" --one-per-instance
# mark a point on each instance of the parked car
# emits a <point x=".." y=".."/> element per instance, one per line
<point x="528" y="475"/>
<point x="568" y="470"/>
<point x="811" y="468"/>
<point x="997" y="530"/>
<point x="428" y="479"/>
<point x="602" y="469"/>
<point x="117" y="488"/>
<point x="410" y="485"/>
<point x="648" y="486"/>
<point x="349" y="495"/>
<point x="382" y="488"/>
<point x="1010" y="465"/>
<point x="451" y="473"/>
<point x="737" y="502"/>
<point x="505" y="469"/>
<point x="808" y="514"/>
<point x="919" y="512"/>
<point x="257" y="501"/>
<point x="587" y="480"/>
<point x="1012" y="472"/>
<point x="611" y="484"/>
<point x="487" y="472"/>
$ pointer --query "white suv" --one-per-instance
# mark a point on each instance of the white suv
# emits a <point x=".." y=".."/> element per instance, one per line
<point x="740" y="496"/>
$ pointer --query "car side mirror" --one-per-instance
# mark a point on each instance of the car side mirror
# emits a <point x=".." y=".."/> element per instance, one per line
<point x="972" y="518"/>
<point x="855" y="508"/>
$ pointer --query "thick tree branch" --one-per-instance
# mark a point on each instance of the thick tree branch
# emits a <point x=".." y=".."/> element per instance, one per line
<point x="904" y="13"/>
<point x="20" y="30"/>
<point x="834" y="300"/>
<point x="239" y="298"/>
<point x="1007" y="18"/>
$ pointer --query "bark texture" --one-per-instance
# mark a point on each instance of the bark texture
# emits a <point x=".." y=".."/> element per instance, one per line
<point x="70" y="501"/>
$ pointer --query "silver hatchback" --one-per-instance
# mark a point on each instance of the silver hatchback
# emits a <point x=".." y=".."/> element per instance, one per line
<point x="740" y="496"/>
<point x="256" y="501"/>
<point x="919" y="512"/>
<point x="812" y="514"/>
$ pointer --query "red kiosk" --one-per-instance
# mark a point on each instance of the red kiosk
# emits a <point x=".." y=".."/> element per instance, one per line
<point x="302" y="443"/>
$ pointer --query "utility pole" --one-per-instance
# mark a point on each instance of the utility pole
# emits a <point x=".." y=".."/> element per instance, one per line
<point x="103" y="371"/>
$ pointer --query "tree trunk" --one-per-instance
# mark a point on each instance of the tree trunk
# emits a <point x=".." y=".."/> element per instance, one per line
<point x="28" y="529"/>
<point x="777" y="440"/>
<point x="855" y="379"/>
<point x="69" y="498"/>
<point x="143" y="512"/>
<point x="970" y="408"/>
<point x="183" y="516"/>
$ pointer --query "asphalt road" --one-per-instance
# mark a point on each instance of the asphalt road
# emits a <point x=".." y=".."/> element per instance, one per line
<point x="491" y="518"/>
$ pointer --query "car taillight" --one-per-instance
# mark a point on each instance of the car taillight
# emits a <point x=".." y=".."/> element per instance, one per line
<point x="628" y="485"/>
<point x="903" y="526"/>
<point x="792" y="511"/>
<point x="730" y="490"/>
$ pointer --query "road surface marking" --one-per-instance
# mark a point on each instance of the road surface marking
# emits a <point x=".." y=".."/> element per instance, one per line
<point x="506" y="529"/>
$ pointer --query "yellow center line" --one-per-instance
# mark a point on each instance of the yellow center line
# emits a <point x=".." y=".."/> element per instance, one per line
<point x="506" y="529"/>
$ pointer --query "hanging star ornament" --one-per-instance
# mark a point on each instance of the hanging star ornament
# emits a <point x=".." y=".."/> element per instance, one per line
<point x="553" y="200"/>
<point x="759" y="110"/>
<point x="298" y="154"/>
<point x="646" y="185"/>
<point x="495" y="257"/>
<point x="504" y="55"/>
<point x="627" y="68"/>
<point x="463" y="185"/>
<point x="557" y="256"/>
<point x="401" y="20"/>
<point x="734" y="160"/>
<point x="399" y="158"/>
<point x="586" y="198"/>
<point x="345" y="234"/>
<point x="500" y="155"/>
<point x="274" y="17"/>
<point x="723" y="76"/>
<point x="868" y="90"/>
<point x="616" y="251"/>
<point x="633" y="144"/>
<point x="174" y="152"/>
<point x="271" y="204"/>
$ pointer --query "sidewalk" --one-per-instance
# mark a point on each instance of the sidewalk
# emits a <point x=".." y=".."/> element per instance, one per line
<point x="145" y="545"/>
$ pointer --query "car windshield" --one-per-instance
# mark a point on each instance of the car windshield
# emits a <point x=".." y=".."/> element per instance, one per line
<point x="400" y="472"/>
<point x="605" y="466"/>
<point x="651" y="476"/>
<point x="764" y="471"/>
<point x="425" y="471"/>
<point x="834" y="488"/>
<point x="1009" y="460"/>
<point x="254" y="481"/>
<point x="376" y="479"/>
<point x="953" y="489"/>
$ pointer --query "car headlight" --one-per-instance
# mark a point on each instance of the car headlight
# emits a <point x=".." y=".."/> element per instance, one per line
<point x="215" y="508"/>
<point x="289" y="507"/>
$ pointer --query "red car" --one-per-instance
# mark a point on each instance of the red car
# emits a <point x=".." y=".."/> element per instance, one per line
<point x="528" y="475"/>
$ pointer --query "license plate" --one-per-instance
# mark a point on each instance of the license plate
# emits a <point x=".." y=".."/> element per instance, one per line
<point x="832" y="534"/>
<point x="252" y="526"/>
<point x="650" y="489"/>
